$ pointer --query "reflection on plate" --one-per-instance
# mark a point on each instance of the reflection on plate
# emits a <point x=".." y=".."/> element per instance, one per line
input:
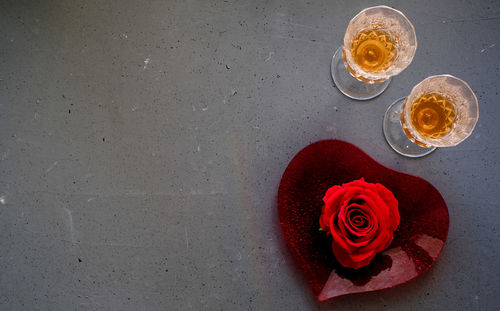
<point x="417" y="242"/>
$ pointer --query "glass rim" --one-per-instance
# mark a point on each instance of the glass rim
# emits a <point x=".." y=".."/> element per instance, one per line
<point x="393" y="10"/>
<point x="412" y="32"/>
<point x="447" y="75"/>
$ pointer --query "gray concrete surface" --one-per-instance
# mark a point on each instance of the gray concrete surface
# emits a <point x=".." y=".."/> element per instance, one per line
<point x="142" y="144"/>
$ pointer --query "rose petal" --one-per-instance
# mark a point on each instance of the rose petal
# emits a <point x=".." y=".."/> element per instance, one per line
<point x="341" y="219"/>
<point x="353" y="260"/>
<point x="392" y="204"/>
<point x="332" y="198"/>
<point x="359" y="183"/>
<point x="362" y="256"/>
<point x="327" y="224"/>
<point x="359" y="225"/>
<point x="377" y="205"/>
<point x="381" y="240"/>
<point x="352" y="230"/>
<point x="343" y="243"/>
<point x="330" y="192"/>
<point x="375" y="222"/>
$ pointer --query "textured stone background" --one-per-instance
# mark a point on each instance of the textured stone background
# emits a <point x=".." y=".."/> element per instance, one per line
<point x="142" y="144"/>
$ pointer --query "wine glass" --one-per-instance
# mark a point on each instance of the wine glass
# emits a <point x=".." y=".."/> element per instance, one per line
<point x="379" y="43"/>
<point x="441" y="111"/>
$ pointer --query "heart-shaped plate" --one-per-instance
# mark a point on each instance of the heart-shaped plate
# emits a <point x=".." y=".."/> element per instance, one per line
<point x="417" y="242"/>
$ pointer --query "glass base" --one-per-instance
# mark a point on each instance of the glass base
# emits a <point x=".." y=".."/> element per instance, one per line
<point x="350" y="86"/>
<point x="395" y="135"/>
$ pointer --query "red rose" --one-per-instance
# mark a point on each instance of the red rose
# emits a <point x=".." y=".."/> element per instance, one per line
<point x="361" y="217"/>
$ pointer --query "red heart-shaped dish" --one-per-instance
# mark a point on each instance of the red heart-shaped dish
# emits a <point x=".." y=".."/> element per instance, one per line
<point x="417" y="242"/>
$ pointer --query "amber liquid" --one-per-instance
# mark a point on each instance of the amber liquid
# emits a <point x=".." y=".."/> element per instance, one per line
<point x="374" y="50"/>
<point x="433" y="115"/>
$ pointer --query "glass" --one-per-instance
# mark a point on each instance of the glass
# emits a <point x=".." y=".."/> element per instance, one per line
<point x="441" y="111"/>
<point x="379" y="43"/>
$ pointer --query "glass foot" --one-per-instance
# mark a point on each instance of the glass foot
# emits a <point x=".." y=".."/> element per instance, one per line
<point x="395" y="135"/>
<point x="350" y="86"/>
